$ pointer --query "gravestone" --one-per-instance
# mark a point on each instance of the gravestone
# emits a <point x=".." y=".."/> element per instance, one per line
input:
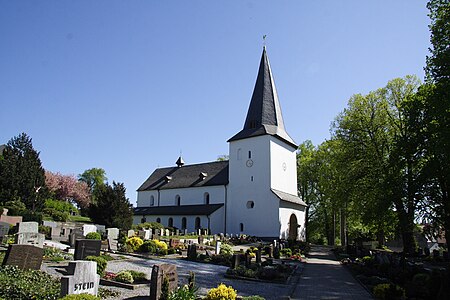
<point x="130" y="233"/>
<point x="156" y="234"/>
<point x="4" y="229"/>
<point x="199" y="232"/>
<point x="200" y="239"/>
<point x="177" y="232"/>
<point x="75" y="235"/>
<point x="30" y="238"/>
<point x="82" y="278"/>
<point x="28" y="227"/>
<point x="105" y="245"/>
<point x="145" y="234"/>
<point x="248" y="260"/>
<point x="258" y="256"/>
<point x="100" y="228"/>
<point x="88" y="228"/>
<point x="167" y="233"/>
<point x="113" y="245"/>
<point x="192" y="252"/>
<point x="24" y="257"/>
<point x="218" y="244"/>
<point x="55" y="232"/>
<point x="235" y="261"/>
<point x="50" y="224"/>
<point x="185" y="231"/>
<point x="158" y="273"/>
<point x="112" y="233"/>
<point x="85" y="248"/>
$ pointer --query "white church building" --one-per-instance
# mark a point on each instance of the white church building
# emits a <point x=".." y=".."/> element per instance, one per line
<point x="253" y="193"/>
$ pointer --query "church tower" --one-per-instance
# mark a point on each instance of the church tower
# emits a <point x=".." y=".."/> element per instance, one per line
<point x="262" y="190"/>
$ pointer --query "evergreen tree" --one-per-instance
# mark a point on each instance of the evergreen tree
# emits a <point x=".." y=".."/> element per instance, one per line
<point x="22" y="177"/>
<point x="112" y="208"/>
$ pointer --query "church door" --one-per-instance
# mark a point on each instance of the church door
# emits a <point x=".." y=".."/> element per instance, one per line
<point x="293" y="227"/>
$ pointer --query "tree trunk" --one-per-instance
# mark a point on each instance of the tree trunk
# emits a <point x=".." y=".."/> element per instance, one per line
<point x="407" y="231"/>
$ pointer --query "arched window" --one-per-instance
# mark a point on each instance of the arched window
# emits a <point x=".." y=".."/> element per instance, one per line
<point x="197" y="223"/>
<point x="158" y="220"/>
<point x="183" y="223"/>
<point x="241" y="226"/>
<point x="250" y="204"/>
<point x="249" y="154"/>
<point x="177" y="200"/>
<point x="206" y="196"/>
<point x="152" y="200"/>
<point x="170" y="222"/>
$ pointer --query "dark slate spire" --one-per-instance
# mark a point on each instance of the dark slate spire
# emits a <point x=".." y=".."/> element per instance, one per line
<point x="180" y="162"/>
<point x="264" y="113"/>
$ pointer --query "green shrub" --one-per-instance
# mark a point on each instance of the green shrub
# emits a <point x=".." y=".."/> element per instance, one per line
<point x="255" y="297"/>
<point x="163" y="251"/>
<point x="226" y="249"/>
<point x="101" y="264"/>
<point x="107" y="257"/>
<point x="286" y="252"/>
<point x="27" y="284"/>
<point x="124" y="276"/>
<point x="388" y="291"/>
<point x="148" y="247"/>
<point x="55" y="254"/>
<point x="182" y="293"/>
<point x="138" y="276"/>
<point x="80" y="297"/>
<point x="171" y="251"/>
<point x="93" y="236"/>
<point x="148" y="225"/>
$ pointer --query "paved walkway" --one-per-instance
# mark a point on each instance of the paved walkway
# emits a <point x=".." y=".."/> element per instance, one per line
<point x="325" y="278"/>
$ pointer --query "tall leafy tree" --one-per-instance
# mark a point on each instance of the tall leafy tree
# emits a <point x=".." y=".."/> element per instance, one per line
<point x="94" y="178"/>
<point x="22" y="176"/>
<point x="437" y="109"/>
<point x="112" y="208"/>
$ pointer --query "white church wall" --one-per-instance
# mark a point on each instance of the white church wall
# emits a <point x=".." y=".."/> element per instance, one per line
<point x="283" y="167"/>
<point x="145" y="198"/>
<point x="251" y="183"/>
<point x="192" y="196"/>
<point x="286" y="210"/>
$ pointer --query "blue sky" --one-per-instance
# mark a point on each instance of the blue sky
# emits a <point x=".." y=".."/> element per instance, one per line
<point x="126" y="85"/>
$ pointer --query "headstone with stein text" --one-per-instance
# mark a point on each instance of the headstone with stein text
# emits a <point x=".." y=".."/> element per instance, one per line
<point x="158" y="273"/>
<point x="30" y="238"/>
<point x="82" y="278"/>
<point x="84" y="248"/>
<point x="24" y="257"/>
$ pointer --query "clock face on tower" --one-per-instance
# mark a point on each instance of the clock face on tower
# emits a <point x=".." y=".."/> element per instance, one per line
<point x="249" y="163"/>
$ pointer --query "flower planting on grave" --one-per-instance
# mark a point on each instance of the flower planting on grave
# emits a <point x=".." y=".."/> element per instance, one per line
<point x="126" y="276"/>
<point x="56" y="255"/>
<point x="222" y="292"/>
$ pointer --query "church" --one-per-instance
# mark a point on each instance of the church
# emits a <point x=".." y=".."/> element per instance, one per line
<point x="253" y="193"/>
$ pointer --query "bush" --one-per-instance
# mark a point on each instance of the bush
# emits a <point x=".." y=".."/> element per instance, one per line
<point x="101" y="264"/>
<point x="28" y="284"/>
<point x="226" y="249"/>
<point x="388" y="291"/>
<point x="182" y="293"/>
<point x="222" y="292"/>
<point x="93" y="236"/>
<point x="161" y="245"/>
<point x="148" y="225"/>
<point x="55" y="254"/>
<point x="148" y="247"/>
<point x="80" y="297"/>
<point x="138" y="276"/>
<point x="124" y="276"/>
<point x="134" y="243"/>
<point x="286" y="252"/>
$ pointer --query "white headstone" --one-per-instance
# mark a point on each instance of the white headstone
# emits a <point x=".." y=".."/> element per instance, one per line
<point x="88" y="228"/>
<point x="50" y="224"/>
<point x="28" y="227"/>
<point x="218" y="244"/>
<point x="130" y="233"/>
<point x="82" y="279"/>
<point x="145" y="234"/>
<point x="112" y="233"/>
<point x="30" y="238"/>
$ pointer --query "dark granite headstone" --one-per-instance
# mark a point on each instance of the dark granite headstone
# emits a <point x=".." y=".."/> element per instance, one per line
<point x="192" y="252"/>
<point x="85" y="248"/>
<point x="258" y="256"/>
<point x="4" y="228"/>
<point x="24" y="257"/>
<point x="158" y="274"/>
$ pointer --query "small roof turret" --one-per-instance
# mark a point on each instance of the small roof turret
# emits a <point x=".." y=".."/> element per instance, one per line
<point x="180" y="162"/>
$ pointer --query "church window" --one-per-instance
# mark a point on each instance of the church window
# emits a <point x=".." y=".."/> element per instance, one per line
<point x="177" y="200"/>
<point x="206" y="198"/>
<point x="241" y="226"/>
<point x="183" y="223"/>
<point x="152" y="200"/>
<point x="158" y="220"/>
<point x="249" y="154"/>
<point x="170" y="222"/>
<point x="251" y="178"/>
<point x="197" y="223"/>
<point x="250" y="204"/>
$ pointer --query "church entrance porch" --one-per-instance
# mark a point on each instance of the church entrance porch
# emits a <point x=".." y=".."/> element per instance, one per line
<point x="293" y="227"/>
